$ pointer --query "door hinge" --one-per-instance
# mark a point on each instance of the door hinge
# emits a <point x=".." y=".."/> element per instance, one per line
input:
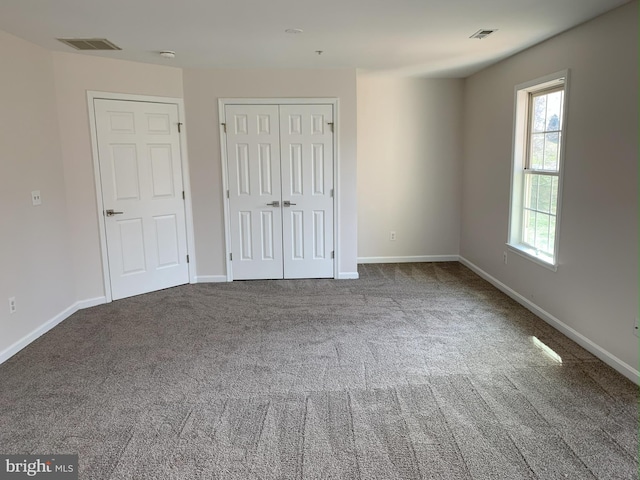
<point x="227" y="193"/>
<point x="231" y="257"/>
<point x="330" y="123"/>
<point x="180" y="127"/>
<point x="333" y="254"/>
<point x="224" y="125"/>
<point x="183" y="197"/>
<point x="331" y="192"/>
<point x="187" y="258"/>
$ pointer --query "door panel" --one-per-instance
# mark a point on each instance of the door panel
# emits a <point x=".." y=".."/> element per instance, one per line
<point x="307" y="181"/>
<point x="141" y="176"/>
<point x="253" y="147"/>
<point x="281" y="154"/>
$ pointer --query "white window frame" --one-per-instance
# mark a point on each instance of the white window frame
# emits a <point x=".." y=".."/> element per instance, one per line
<point x="523" y="92"/>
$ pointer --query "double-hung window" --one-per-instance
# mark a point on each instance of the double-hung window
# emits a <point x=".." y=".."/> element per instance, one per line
<point x="536" y="180"/>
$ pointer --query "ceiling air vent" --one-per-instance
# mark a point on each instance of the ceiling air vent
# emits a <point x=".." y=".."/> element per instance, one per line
<point x="480" y="34"/>
<point x="89" y="43"/>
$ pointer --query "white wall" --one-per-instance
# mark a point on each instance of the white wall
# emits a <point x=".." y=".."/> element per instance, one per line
<point x="202" y="89"/>
<point x="409" y="167"/>
<point x="75" y="74"/>
<point x="595" y="290"/>
<point x="34" y="241"/>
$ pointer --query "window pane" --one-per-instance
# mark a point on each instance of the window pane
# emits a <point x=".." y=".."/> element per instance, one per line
<point x="531" y="193"/>
<point x="551" y="143"/>
<point x="542" y="232"/>
<point x="538" y="113"/>
<point x="544" y="193"/>
<point x="552" y="234"/>
<point x="529" y="228"/>
<point x="536" y="159"/>
<point x="554" y="196"/>
<point x="554" y="106"/>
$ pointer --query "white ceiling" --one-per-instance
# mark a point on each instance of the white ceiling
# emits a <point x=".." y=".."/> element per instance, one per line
<point x="418" y="37"/>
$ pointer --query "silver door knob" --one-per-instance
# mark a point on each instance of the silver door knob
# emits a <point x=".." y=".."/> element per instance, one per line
<point x="275" y="203"/>
<point x="111" y="213"/>
<point x="287" y="203"/>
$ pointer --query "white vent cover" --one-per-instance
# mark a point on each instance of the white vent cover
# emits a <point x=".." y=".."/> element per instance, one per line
<point x="485" y="32"/>
<point x="89" y="43"/>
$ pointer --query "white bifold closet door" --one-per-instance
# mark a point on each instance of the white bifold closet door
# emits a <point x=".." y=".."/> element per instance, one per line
<point x="280" y="167"/>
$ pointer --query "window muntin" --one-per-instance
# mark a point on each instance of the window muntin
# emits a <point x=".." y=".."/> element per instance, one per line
<point x="537" y="168"/>
<point x="542" y="169"/>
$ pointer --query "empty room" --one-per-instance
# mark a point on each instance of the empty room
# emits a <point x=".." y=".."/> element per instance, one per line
<point x="338" y="240"/>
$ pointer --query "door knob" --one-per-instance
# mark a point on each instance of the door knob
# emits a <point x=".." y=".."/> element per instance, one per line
<point x="287" y="203"/>
<point x="275" y="203"/>
<point x="111" y="213"/>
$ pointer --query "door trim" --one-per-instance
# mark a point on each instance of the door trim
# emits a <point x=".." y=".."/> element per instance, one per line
<point x="179" y="102"/>
<point x="335" y="103"/>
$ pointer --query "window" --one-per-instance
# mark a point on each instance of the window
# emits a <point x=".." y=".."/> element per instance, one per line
<point x="536" y="178"/>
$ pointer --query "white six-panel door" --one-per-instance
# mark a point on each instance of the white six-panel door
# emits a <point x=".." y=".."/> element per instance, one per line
<point x="307" y="181"/>
<point x="280" y="178"/>
<point x="253" y="154"/>
<point x="141" y="179"/>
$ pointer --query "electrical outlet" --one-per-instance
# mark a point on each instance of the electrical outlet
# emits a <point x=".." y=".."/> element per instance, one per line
<point x="504" y="257"/>
<point x="392" y="236"/>
<point x="36" y="199"/>
<point x="635" y="328"/>
<point x="12" y="305"/>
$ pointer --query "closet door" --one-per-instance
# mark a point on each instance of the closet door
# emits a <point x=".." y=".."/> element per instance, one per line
<point x="253" y="165"/>
<point x="306" y="145"/>
<point x="280" y="167"/>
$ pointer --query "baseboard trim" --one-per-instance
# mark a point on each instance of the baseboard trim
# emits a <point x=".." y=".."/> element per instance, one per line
<point x="90" y="302"/>
<point x="211" y="278"/>
<point x="348" y="276"/>
<point x="604" y="355"/>
<point x="10" y="351"/>
<point x="416" y="259"/>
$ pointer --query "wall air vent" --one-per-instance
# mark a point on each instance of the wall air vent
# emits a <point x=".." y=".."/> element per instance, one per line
<point x="483" y="33"/>
<point x="89" y="43"/>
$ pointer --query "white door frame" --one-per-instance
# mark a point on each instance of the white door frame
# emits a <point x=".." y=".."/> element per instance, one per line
<point x="191" y="251"/>
<point x="222" y="103"/>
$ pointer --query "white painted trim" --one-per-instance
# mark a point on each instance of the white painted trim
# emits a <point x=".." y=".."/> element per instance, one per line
<point x="10" y="351"/>
<point x="211" y="278"/>
<point x="607" y="357"/>
<point x="417" y="259"/>
<point x="225" y="187"/>
<point x="279" y="101"/>
<point x="516" y="193"/>
<point x="90" y="302"/>
<point x="348" y="276"/>
<point x="335" y="103"/>
<point x="186" y="184"/>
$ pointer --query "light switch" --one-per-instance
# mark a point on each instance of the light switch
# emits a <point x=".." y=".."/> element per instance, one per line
<point x="35" y="197"/>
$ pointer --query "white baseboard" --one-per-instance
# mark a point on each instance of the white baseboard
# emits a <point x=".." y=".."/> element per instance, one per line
<point x="211" y="278"/>
<point x="607" y="357"/>
<point x="90" y="302"/>
<point x="10" y="351"/>
<point x="348" y="276"/>
<point x="419" y="258"/>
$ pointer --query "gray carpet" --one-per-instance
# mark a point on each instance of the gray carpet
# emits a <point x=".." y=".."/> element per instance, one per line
<point x="414" y="371"/>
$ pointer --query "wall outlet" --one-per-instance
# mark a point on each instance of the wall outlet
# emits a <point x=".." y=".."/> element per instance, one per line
<point x="635" y="328"/>
<point x="36" y="199"/>
<point x="504" y="257"/>
<point x="392" y="236"/>
<point x="12" y="305"/>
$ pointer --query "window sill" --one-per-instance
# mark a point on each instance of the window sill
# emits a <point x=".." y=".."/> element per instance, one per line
<point x="530" y="254"/>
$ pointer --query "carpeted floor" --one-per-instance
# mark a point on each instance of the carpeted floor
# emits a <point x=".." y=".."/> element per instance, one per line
<point x="414" y="371"/>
